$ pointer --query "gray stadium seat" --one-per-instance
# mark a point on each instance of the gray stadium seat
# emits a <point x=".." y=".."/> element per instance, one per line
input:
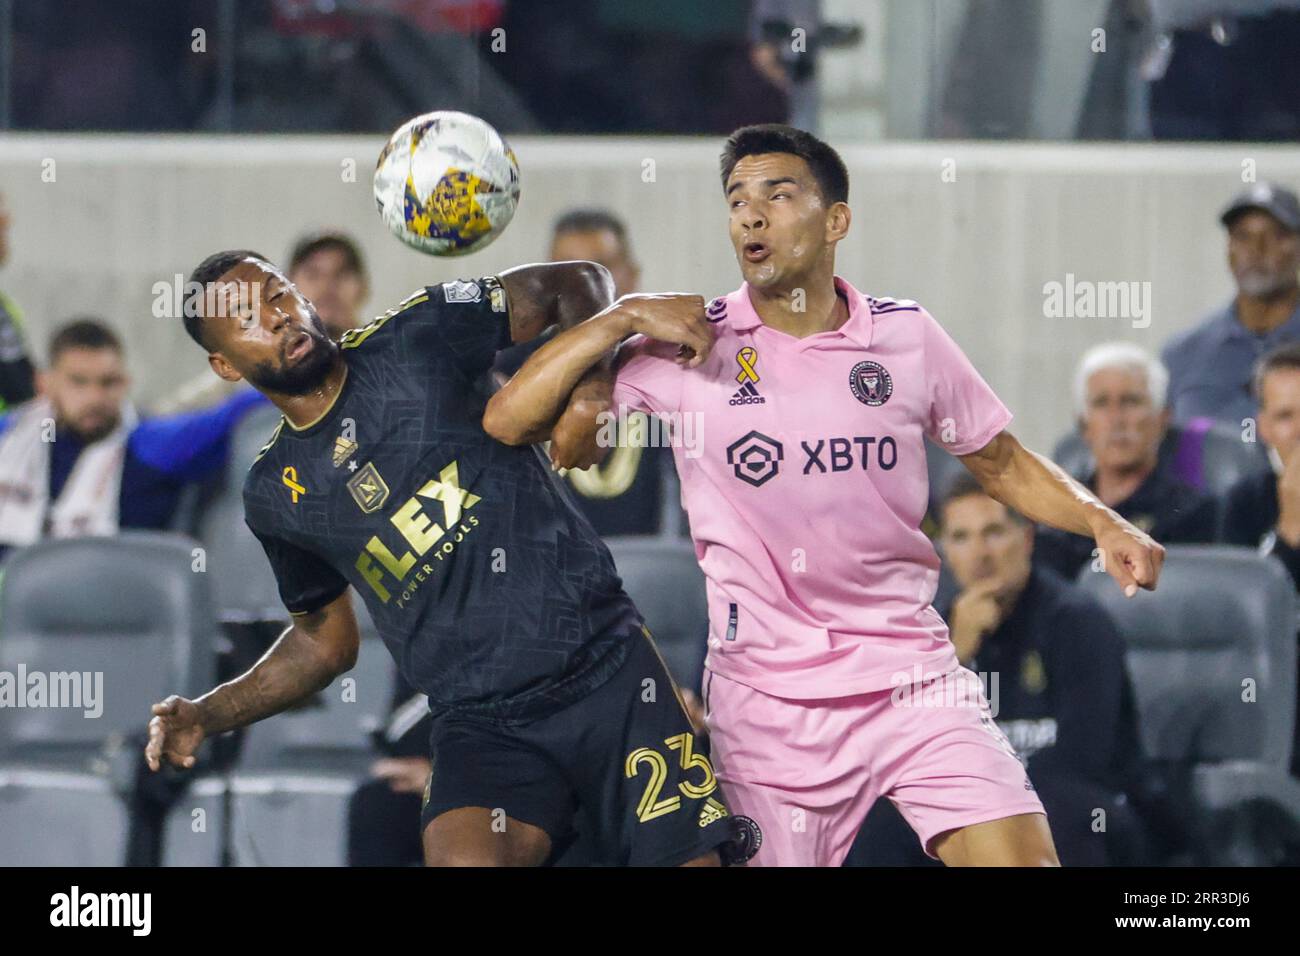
<point x="1220" y="626"/>
<point x="665" y="581"/>
<point x="195" y="830"/>
<point x="129" y="608"/>
<point x="243" y="583"/>
<point x="289" y="794"/>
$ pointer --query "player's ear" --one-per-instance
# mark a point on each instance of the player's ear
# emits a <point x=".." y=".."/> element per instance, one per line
<point x="223" y="369"/>
<point x="838" y="218"/>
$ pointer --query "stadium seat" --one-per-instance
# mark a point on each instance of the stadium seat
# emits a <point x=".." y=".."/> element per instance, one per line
<point x="141" y="627"/>
<point x="664" y="579"/>
<point x="243" y="583"/>
<point x="1212" y="654"/>
<point x="195" y="832"/>
<point x="289" y="794"/>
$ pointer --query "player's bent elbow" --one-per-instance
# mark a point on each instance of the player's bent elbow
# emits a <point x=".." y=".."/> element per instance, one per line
<point x="502" y="425"/>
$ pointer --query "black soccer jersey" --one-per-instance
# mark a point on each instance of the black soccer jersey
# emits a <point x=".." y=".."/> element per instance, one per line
<point x="495" y="596"/>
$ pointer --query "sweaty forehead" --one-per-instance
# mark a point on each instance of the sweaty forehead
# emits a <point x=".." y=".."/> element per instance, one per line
<point x="753" y="170"/>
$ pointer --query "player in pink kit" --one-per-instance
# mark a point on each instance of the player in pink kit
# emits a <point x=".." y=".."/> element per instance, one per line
<point x="831" y="679"/>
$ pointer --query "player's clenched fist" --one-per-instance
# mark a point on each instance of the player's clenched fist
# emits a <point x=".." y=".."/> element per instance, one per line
<point x="671" y="317"/>
<point x="174" y="732"/>
<point x="1132" y="557"/>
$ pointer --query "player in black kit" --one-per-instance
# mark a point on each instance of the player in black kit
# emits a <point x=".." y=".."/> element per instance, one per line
<point x="494" y="595"/>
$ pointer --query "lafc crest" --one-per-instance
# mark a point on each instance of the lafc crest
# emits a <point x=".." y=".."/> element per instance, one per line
<point x="368" y="489"/>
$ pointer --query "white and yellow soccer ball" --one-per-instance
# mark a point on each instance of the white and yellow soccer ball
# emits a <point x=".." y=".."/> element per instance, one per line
<point x="447" y="183"/>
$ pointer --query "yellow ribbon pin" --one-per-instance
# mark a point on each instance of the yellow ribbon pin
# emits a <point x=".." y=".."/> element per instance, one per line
<point x="290" y="478"/>
<point x="747" y="357"/>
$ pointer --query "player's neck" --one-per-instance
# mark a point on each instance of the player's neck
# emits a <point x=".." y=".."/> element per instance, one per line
<point x="801" y="311"/>
<point x="303" y="411"/>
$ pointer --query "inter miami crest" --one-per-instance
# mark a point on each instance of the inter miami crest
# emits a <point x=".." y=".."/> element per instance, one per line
<point x="870" y="383"/>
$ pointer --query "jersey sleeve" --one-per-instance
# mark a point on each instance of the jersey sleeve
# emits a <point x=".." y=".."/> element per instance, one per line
<point x="462" y="323"/>
<point x="473" y="321"/>
<point x="648" y="378"/>
<point x="306" y="582"/>
<point x="965" y="414"/>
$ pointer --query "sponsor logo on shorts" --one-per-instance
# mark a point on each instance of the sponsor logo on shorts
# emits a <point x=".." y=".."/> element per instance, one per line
<point x="870" y="383"/>
<point x="712" y="811"/>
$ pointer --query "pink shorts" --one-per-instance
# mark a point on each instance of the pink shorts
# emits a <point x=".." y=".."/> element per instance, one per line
<point x="807" y="771"/>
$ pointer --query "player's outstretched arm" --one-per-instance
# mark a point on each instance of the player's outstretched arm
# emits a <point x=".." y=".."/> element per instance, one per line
<point x="1041" y="491"/>
<point x="311" y="652"/>
<point x="526" y="407"/>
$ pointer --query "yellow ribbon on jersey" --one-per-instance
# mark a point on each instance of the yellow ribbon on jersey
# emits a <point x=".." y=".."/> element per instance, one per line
<point x="290" y="479"/>
<point x="747" y="357"/>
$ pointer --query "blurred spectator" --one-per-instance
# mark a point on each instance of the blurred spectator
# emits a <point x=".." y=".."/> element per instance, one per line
<point x="625" y="494"/>
<point x="1210" y="366"/>
<point x="1120" y="393"/>
<point x="1264" y="510"/>
<point x="1053" y="666"/>
<point x="17" y="378"/>
<point x="76" y="461"/>
<point x="1224" y="69"/>
<point x="788" y="59"/>
<point x="328" y="268"/>
<point x="384" y="812"/>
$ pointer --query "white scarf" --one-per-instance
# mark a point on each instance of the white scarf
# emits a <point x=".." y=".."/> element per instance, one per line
<point x="88" y="503"/>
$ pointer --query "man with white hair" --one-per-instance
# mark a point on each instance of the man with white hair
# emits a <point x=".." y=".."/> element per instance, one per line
<point x="1120" y="393"/>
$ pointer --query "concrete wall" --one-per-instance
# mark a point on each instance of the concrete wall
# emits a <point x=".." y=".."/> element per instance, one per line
<point x="125" y="213"/>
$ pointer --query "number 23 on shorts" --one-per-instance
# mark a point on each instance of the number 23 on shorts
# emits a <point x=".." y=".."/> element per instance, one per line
<point x="650" y="806"/>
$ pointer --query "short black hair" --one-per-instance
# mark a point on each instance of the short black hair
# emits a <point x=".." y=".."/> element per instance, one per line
<point x="312" y="243"/>
<point x="210" y="270"/>
<point x="826" y="165"/>
<point x="963" y="485"/>
<point x="83" y="332"/>
<point x="1282" y="357"/>
<point x="592" y="220"/>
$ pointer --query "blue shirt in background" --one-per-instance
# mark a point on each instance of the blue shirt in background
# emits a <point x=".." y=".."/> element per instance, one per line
<point x="1210" y="366"/>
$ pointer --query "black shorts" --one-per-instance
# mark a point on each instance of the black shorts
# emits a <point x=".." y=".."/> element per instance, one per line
<point x="623" y="764"/>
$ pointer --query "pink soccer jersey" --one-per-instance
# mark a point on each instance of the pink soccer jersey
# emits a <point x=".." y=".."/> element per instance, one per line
<point x="806" y="485"/>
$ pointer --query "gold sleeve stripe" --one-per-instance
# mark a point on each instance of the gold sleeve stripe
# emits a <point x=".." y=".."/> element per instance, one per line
<point x="354" y="337"/>
<point x="274" y="435"/>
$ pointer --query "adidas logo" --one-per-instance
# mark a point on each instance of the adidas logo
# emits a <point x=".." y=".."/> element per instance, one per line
<point x="712" y="812"/>
<point x="344" y="448"/>
<point x="747" y="394"/>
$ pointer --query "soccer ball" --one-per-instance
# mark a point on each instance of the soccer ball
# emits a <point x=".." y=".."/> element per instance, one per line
<point x="446" y="183"/>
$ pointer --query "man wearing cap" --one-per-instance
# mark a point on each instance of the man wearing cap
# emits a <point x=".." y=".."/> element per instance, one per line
<point x="1210" y="366"/>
